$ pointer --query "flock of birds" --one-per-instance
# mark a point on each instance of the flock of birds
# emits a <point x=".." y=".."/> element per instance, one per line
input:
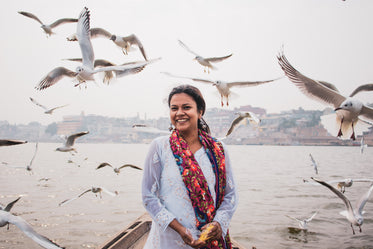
<point x="351" y="116"/>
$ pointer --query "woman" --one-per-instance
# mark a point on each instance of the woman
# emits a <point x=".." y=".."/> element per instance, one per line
<point x="188" y="182"/>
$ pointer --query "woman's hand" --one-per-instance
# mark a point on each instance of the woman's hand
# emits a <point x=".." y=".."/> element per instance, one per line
<point x="216" y="232"/>
<point x="186" y="235"/>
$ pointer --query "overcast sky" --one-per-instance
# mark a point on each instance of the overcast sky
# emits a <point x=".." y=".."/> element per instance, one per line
<point x="330" y="40"/>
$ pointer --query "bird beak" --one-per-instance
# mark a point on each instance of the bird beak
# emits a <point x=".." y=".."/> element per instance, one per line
<point x="336" y="109"/>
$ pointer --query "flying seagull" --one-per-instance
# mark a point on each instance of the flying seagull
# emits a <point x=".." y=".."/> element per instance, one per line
<point x="117" y="170"/>
<point x="362" y="145"/>
<point x="70" y="140"/>
<point x="86" y="71"/>
<point x="205" y="62"/>
<point x="348" y="110"/>
<point x="224" y="87"/>
<point x="126" y="43"/>
<point x="7" y="218"/>
<point x="354" y="216"/>
<point x="95" y="190"/>
<point x="303" y="224"/>
<point x="48" y="27"/>
<point x="28" y="167"/>
<point x="47" y="110"/>
<point x="9" y="142"/>
<point x="314" y="164"/>
<point x="109" y="75"/>
<point x="242" y="116"/>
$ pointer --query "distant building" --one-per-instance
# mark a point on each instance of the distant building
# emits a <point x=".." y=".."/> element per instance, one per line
<point x="70" y="124"/>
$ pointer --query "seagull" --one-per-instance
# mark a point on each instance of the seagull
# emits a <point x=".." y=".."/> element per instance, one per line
<point x="86" y="71"/>
<point x="117" y="170"/>
<point x="354" y="216"/>
<point x="348" y="110"/>
<point x="47" y="110"/>
<point x="242" y="116"/>
<point x="302" y="223"/>
<point x="48" y="27"/>
<point x="7" y="218"/>
<point x="93" y="190"/>
<point x="70" y="142"/>
<point x="362" y="145"/>
<point x="205" y="62"/>
<point x="224" y="87"/>
<point x="314" y="164"/>
<point x="346" y="183"/>
<point x="9" y="142"/>
<point x="109" y="75"/>
<point x="28" y="167"/>
<point x="126" y="43"/>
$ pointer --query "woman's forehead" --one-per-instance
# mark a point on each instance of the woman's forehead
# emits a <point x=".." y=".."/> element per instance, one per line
<point x="182" y="98"/>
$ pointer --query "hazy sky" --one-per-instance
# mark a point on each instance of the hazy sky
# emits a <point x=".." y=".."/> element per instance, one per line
<point x="330" y="40"/>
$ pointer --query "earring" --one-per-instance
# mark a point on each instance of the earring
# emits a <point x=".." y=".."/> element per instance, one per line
<point x="202" y="123"/>
<point x="171" y="127"/>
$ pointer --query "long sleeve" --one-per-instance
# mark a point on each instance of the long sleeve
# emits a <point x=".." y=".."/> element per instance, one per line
<point x="227" y="208"/>
<point x="151" y="187"/>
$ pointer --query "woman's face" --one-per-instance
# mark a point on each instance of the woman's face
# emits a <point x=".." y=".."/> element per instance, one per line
<point x="184" y="114"/>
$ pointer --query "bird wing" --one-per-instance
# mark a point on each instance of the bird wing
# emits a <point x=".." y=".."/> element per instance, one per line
<point x="130" y="165"/>
<point x="63" y="20"/>
<point x="30" y="232"/>
<point x="54" y="76"/>
<point x="8" y="142"/>
<point x="337" y="192"/>
<point x="329" y="85"/>
<point x="30" y="15"/>
<point x="11" y="204"/>
<point x="57" y="107"/>
<point x="366" y="87"/>
<point x="88" y="190"/>
<point x="103" y="165"/>
<point x="367" y="112"/>
<point x="124" y="67"/>
<point x="71" y="139"/>
<point x="37" y="103"/>
<point x="33" y="157"/>
<point x="363" y="200"/>
<point x="100" y="32"/>
<point x="194" y="79"/>
<point x="217" y="59"/>
<point x="109" y="192"/>
<point x="84" y="40"/>
<point x="133" y="39"/>
<point x="310" y="218"/>
<point x="293" y="218"/>
<point x="249" y="83"/>
<point x="186" y="47"/>
<point x="103" y="63"/>
<point x="308" y="86"/>
<point x="235" y="122"/>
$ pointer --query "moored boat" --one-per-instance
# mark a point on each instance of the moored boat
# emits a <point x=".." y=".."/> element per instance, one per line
<point x="135" y="234"/>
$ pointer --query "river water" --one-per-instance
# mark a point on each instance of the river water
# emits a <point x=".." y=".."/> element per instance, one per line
<point x="269" y="179"/>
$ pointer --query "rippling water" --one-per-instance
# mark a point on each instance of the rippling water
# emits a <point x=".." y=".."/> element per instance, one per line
<point x="269" y="178"/>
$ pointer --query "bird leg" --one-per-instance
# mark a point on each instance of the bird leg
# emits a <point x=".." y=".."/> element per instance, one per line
<point x="340" y="129"/>
<point x="125" y="52"/>
<point x="353" y="132"/>
<point x="360" y="228"/>
<point x="222" y="103"/>
<point x="353" y="231"/>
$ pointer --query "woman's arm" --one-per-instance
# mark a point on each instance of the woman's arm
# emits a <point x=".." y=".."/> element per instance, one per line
<point x="151" y="187"/>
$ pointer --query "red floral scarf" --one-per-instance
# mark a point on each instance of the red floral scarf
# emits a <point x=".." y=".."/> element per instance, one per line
<point x="196" y="183"/>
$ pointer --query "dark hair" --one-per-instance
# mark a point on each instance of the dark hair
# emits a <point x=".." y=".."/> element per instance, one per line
<point x="196" y="94"/>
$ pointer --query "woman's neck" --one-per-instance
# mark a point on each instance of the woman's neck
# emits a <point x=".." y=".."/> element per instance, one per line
<point x="192" y="140"/>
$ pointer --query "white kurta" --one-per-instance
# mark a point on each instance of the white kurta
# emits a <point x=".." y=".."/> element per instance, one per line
<point x="165" y="196"/>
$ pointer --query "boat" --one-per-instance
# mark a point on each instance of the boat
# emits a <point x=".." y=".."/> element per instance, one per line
<point x="135" y="234"/>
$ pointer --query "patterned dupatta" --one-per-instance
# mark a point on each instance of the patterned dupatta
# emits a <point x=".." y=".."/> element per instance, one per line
<point x="195" y="182"/>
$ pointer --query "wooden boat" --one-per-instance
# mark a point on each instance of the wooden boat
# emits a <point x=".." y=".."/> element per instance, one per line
<point x="134" y="236"/>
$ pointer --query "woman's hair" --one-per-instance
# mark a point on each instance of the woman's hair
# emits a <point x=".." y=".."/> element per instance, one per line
<point x="196" y="94"/>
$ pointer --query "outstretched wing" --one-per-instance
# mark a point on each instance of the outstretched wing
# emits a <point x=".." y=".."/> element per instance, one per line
<point x="187" y="48"/>
<point x="8" y="142"/>
<point x="71" y="139"/>
<point x="311" y="88"/>
<point x="249" y="83"/>
<point x="11" y="204"/>
<point x="63" y="20"/>
<point x="38" y="104"/>
<point x="130" y="165"/>
<point x="54" y="76"/>
<point x="217" y="59"/>
<point x="133" y="39"/>
<point x="362" y="88"/>
<point x="30" y="15"/>
<point x="100" y="32"/>
<point x="363" y="200"/>
<point x="83" y="34"/>
<point x="190" y="78"/>
<point x="235" y="122"/>
<point x="103" y="165"/>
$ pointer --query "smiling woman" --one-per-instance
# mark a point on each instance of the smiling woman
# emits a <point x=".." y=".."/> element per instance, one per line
<point x="185" y="184"/>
